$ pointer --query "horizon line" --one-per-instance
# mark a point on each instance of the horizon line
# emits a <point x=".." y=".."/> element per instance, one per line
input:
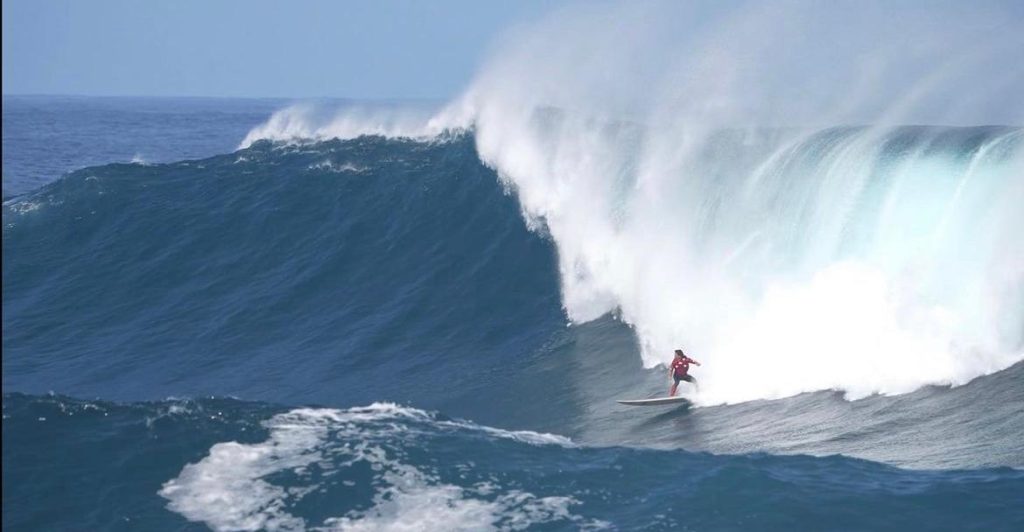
<point x="208" y="97"/>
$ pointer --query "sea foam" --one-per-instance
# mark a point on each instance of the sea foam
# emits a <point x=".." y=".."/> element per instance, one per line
<point x="233" y="487"/>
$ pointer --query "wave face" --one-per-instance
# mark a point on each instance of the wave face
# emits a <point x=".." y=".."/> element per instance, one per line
<point x="251" y="466"/>
<point x="271" y="273"/>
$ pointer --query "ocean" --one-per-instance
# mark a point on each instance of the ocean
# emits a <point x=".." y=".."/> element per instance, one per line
<point x="248" y="315"/>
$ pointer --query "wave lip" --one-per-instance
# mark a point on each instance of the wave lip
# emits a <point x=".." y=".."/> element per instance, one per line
<point x="309" y="121"/>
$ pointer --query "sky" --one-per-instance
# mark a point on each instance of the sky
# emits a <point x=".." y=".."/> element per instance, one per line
<point x="384" y="49"/>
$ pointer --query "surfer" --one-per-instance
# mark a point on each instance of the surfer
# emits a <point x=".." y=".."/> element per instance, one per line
<point x="679" y="369"/>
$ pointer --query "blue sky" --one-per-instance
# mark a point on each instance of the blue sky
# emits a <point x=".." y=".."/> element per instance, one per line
<point x="252" y="48"/>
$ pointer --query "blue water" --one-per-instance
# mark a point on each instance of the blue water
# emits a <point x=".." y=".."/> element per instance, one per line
<point x="47" y="136"/>
<point x="365" y="334"/>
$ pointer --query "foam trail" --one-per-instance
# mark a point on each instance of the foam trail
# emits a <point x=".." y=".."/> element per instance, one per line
<point x="244" y="486"/>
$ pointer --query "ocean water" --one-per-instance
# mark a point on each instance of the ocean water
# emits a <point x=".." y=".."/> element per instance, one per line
<point x="338" y="315"/>
<point x="45" y="137"/>
<point x="385" y="332"/>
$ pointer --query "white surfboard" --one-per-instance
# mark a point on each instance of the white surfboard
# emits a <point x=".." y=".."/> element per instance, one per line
<point x="654" y="402"/>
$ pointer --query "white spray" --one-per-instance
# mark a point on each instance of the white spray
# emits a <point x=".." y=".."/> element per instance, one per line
<point x="705" y="172"/>
<point x="786" y="256"/>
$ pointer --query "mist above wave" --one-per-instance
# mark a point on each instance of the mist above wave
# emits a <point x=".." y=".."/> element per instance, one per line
<point x="309" y="120"/>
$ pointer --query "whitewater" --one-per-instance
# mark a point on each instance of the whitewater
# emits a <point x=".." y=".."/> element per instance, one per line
<point x="705" y="205"/>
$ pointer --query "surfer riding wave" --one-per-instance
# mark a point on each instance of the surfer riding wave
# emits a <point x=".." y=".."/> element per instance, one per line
<point x="679" y="371"/>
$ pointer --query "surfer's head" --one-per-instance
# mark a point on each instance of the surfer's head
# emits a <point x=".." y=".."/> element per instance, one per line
<point x="679" y="353"/>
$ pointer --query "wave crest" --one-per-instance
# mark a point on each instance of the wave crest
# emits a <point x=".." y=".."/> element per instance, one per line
<point x="309" y="121"/>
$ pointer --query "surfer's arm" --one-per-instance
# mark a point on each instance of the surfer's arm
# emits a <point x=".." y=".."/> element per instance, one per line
<point x="692" y="361"/>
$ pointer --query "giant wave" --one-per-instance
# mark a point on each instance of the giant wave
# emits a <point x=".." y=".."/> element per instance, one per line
<point x="349" y="272"/>
<point x="717" y="201"/>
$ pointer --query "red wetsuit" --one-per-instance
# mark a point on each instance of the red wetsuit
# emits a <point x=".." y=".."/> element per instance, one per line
<point x="680" y="366"/>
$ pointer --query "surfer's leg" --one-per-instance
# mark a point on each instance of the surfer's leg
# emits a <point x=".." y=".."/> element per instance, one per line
<point x="672" y="390"/>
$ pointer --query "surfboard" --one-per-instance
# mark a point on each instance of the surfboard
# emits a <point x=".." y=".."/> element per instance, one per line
<point x="654" y="402"/>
